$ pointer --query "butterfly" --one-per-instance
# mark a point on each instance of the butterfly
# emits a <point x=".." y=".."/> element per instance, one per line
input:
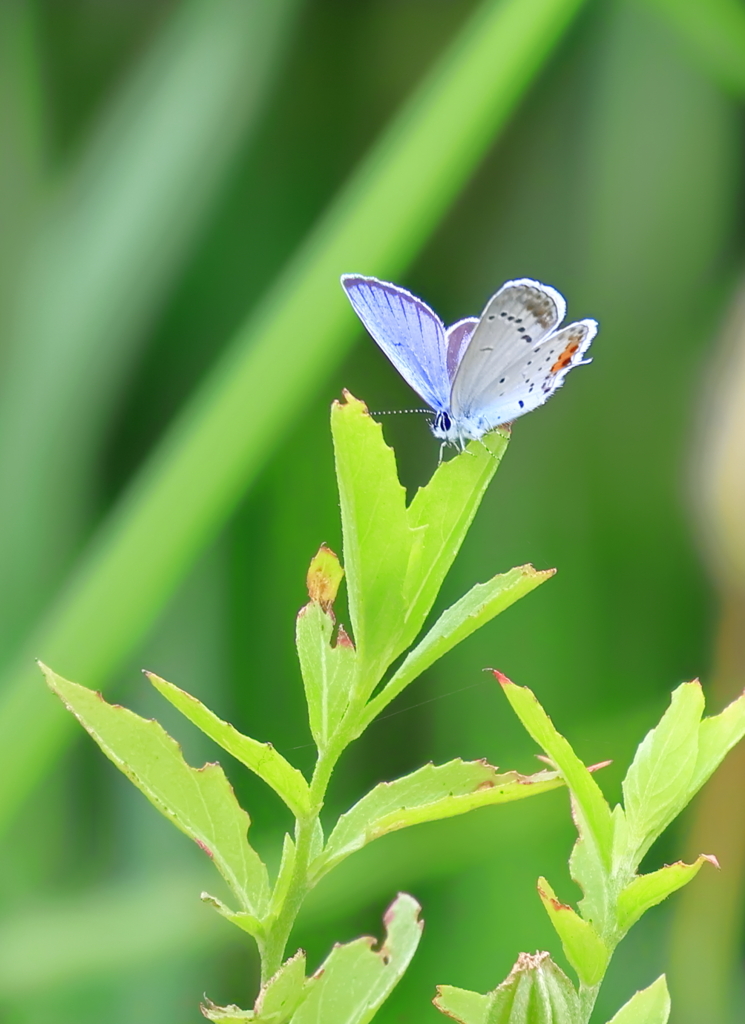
<point x="482" y="371"/>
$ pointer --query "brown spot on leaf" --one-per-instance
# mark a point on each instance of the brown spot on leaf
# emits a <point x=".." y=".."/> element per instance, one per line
<point x="343" y="639"/>
<point x="324" y="576"/>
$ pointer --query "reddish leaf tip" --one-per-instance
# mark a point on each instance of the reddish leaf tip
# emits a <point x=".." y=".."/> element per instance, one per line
<point x="598" y="766"/>
<point x="711" y="859"/>
<point x="501" y="678"/>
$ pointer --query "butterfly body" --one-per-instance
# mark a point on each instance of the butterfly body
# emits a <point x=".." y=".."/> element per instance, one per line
<point x="482" y="371"/>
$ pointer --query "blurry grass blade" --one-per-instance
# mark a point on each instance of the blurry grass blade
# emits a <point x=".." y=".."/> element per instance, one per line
<point x="195" y="478"/>
<point x="475" y="608"/>
<point x="714" y="31"/>
<point x="199" y="801"/>
<point x="113" y="235"/>
<point x="261" y="758"/>
<point x="428" y="794"/>
<point x="22" y="129"/>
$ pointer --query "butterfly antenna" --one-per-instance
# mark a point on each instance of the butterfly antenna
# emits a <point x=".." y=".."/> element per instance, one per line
<point x="399" y="412"/>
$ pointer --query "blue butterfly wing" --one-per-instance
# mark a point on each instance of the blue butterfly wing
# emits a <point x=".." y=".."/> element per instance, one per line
<point x="408" y="331"/>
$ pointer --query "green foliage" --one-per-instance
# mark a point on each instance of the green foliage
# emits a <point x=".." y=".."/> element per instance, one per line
<point x="650" y="1006"/>
<point x="535" y="992"/>
<point x="397" y="557"/>
<point x="670" y="765"/>
<point x="379" y="219"/>
<point x="200" y="802"/>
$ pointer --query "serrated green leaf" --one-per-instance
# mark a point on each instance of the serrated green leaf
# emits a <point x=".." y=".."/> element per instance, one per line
<point x="535" y="992"/>
<point x="590" y="862"/>
<point x="647" y="891"/>
<point x="199" y="801"/>
<point x="462" y="1005"/>
<point x="261" y="758"/>
<point x="328" y="671"/>
<point x="430" y="793"/>
<point x="396" y="557"/>
<point x="277" y="1000"/>
<point x="583" y="947"/>
<point x="355" y="979"/>
<point x="593" y="808"/>
<point x="650" y="1006"/>
<point x="717" y="736"/>
<point x="284" y="992"/>
<point x="657" y="785"/>
<point x="472" y="611"/>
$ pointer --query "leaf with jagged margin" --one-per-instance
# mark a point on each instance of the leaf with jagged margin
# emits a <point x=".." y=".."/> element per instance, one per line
<point x="591" y="858"/>
<point x="355" y="979"/>
<point x="657" y="784"/>
<point x="647" y="891"/>
<point x="430" y="793"/>
<point x="650" y="1006"/>
<point x="328" y="671"/>
<point x="199" y="801"/>
<point x="395" y="557"/>
<point x="260" y="758"/>
<point x="479" y="606"/>
<point x="277" y="1000"/>
<point x="583" y="947"/>
<point x="717" y="736"/>
<point x="535" y="992"/>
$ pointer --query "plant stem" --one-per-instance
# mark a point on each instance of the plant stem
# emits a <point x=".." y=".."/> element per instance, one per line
<point x="272" y="947"/>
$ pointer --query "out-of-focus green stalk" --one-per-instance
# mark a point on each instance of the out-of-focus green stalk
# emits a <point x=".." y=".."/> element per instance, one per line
<point x="706" y="936"/>
<point x="115" y="230"/>
<point x="22" y="130"/>
<point x="226" y="433"/>
<point x="714" y="32"/>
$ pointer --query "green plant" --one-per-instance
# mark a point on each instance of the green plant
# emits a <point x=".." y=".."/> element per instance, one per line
<point x="395" y="560"/>
<point x="671" y="764"/>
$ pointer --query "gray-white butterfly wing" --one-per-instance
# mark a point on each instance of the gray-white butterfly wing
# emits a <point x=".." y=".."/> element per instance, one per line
<point x="516" y="319"/>
<point x="408" y="331"/>
<point x="530" y="380"/>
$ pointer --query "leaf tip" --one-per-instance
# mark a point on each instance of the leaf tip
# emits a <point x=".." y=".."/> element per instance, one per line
<point x="500" y="677"/>
<point x="324" y="577"/>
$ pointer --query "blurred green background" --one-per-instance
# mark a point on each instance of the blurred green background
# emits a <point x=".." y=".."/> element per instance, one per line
<point x="181" y="182"/>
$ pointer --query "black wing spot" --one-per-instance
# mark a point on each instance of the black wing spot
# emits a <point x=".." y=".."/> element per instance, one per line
<point x="487" y="348"/>
<point x="527" y="337"/>
<point x="510" y="318"/>
<point x="520" y="330"/>
<point x="503" y="313"/>
<point x="529" y="362"/>
<point x="492" y="316"/>
<point x="521" y="403"/>
<point x="518" y="320"/>
<point x="502" y="380"/>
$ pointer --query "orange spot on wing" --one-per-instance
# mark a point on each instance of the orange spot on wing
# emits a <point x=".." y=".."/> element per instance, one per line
<point x="566" y="357"/>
